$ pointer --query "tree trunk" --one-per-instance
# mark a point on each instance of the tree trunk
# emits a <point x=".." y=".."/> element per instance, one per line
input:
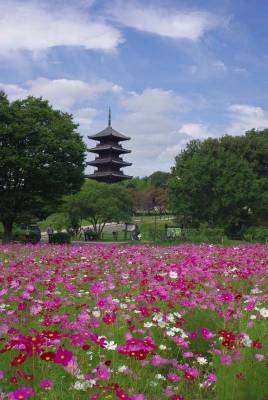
<point x="7" y="231"/>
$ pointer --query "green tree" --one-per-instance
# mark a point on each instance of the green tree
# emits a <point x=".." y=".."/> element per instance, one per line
<point x="99" y="203"/>
<point x="41" y="159"/>
<point x="222" y="182"/>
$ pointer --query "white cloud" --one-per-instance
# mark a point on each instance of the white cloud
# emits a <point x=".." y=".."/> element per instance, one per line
<point x="28" y="25"/>
<point x="165" y="22"/>
<point x="245" y="117"/>
<point x="156" y="101"/>
<point x="85" y="116"/>
<point x="13" y="91"/>
<point x="62" y="93"/>
<point x="195" y="130"/>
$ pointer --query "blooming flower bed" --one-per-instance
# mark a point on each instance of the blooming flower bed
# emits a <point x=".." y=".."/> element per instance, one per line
<point x="140" y="323"/>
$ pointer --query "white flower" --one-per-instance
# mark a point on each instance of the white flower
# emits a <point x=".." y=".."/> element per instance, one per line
<point x="96" y="313"/>
<point x="173" y="275"/>
<point x="170" y="318"/>
<point x="160" y="377"/>
<point x="178" y="315"/>
<point x="148" y="324"/>
<point x="153" y="384"/>
<point x="201" y="360"/>
<point x="80" y="385"/>
<point x="122" y="368"/>
<point x="110" y="345"/>
<point x="264" y="312"/>
<point x="162" y="347"/>
<point x="253" y="316"/>
<point x="247" y="341"/>
<point x="123" y="306"/>
<point x="170" y="333"/>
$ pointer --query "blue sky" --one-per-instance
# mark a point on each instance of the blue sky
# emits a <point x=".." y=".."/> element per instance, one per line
<point x="171" y="70"/>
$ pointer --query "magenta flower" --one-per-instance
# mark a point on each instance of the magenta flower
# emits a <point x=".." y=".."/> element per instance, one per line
<point x="63" y="356"/>
<point x="226" y="297"/>
<point x="22" y="393"/>
<point x="46" y="384"/>
<point x="226" y="360"/>
<point x="212" y="378"/>
<point x="206" y="333"/>
<point x="102" y="372"/>
<point x="1" y="375"/>
<point x="173" y="377"/>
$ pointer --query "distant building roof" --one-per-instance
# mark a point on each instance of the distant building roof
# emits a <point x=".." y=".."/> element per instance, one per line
<point x="109" y="147"/>
<point x="109" y="132"/>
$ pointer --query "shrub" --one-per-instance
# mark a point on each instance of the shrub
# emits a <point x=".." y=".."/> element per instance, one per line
<point x="60" y="238"/>
<point x="256" y="234"/>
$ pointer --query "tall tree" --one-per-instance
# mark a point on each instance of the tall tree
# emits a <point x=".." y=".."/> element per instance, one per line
<point x="222" y="181"/>
<point x="41" y="159"/>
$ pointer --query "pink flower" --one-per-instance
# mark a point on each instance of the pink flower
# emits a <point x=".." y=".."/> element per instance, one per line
<point x="138" y="397"/>
<point x="173" y="377"/>
<point x="180" y="341"/>
<point x="226" y="360"/>
<point x="187" y="354"/>
<point x="259" y="357"/>
<point x="157" y="361"/>
<point x="46" y="384"/>
<point x="1" y="375"/>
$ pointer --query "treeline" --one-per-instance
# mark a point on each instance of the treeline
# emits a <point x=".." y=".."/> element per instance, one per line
<point x="222" y="182"/>
<point x="149" y="194"/>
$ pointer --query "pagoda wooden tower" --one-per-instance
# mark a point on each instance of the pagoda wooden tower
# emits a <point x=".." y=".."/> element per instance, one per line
<point x="108" y="161"/>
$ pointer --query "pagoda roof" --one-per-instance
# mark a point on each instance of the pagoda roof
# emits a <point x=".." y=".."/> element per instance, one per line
<point x="108" y="132"/>
<point x="109" y="175"/>
<point x="108" y="147"/>
<point x="108" y="160"/>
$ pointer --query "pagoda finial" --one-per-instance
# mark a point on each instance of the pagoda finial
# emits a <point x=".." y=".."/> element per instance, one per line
<point x="109" y="118"/>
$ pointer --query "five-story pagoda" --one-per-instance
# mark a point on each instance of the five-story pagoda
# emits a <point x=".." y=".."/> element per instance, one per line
<point x="108" y="151"/>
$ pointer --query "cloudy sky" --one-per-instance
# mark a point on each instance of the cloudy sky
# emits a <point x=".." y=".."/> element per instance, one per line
<point x="171" y="70"/>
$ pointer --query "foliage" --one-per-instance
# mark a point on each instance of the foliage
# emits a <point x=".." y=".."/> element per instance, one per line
<point x="256" y="234"/>
<point x="41" y="159"/>
<point x="223" y="182"/>
<point x="149" y="194"/>
<point x="60" y="238"/>
<point x="99" y="203"/>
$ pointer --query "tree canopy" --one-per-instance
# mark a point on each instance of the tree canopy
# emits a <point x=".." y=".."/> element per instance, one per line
<point x="222" y="181"/>
<point x="99" y="203"/>
<point x="41" y="159"/>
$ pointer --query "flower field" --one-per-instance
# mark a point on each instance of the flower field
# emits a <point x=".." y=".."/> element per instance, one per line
<point x="133" y="322"/>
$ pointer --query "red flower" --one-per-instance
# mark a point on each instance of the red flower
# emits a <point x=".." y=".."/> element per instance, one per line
<point x="13" y="379"/>
<point x="140" y="354"/>
<point x="18" y="360"/>
<point x="48" y="356"/>
<point x="51" y="334"/>
<point x="256" y="344"/>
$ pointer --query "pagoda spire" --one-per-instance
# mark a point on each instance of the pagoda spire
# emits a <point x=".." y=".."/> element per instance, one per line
<point x="109" y="118"/>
